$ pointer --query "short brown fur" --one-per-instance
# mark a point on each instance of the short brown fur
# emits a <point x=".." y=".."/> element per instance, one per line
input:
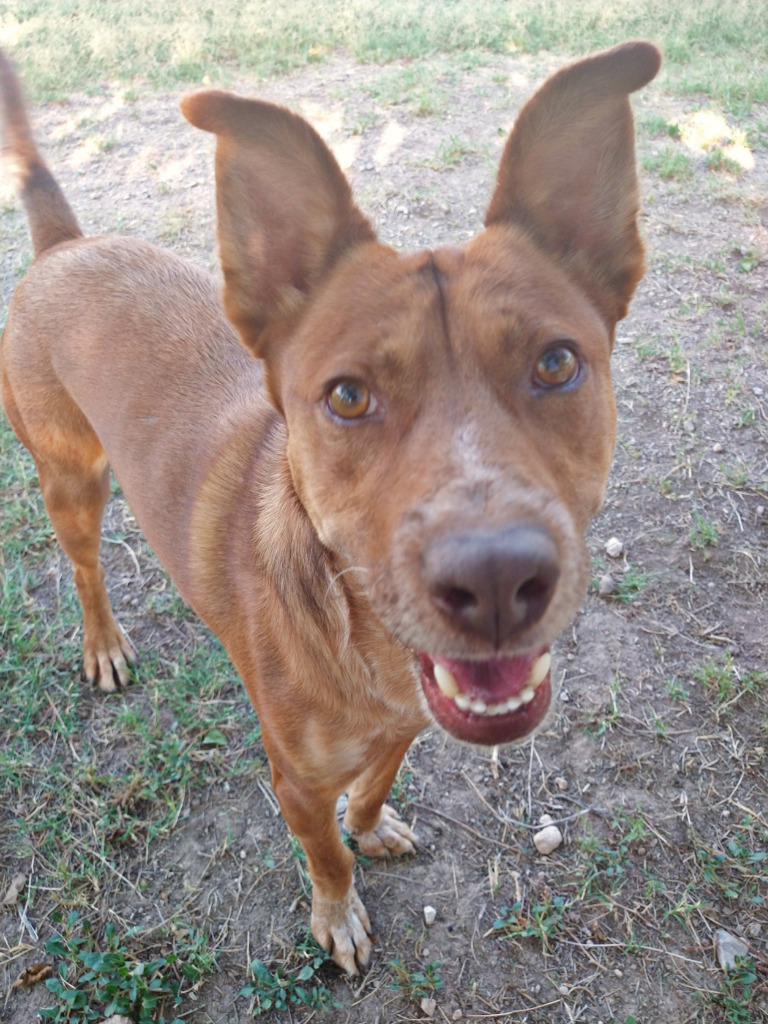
<point x="344" y="560"/>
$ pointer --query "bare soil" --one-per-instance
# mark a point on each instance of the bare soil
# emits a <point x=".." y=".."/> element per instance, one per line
<point x="650" y="768"/>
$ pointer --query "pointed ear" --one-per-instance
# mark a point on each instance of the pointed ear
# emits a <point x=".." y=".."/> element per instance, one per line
<point x="285" y="209"/>
<point x="568" y="177"/>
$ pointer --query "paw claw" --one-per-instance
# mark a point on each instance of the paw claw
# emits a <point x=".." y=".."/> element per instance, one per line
<point x="343" y="928"/>
<point x="107" y="660"/>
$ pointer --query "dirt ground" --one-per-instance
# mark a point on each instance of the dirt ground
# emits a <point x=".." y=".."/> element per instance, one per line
<point x="654" y="761"/>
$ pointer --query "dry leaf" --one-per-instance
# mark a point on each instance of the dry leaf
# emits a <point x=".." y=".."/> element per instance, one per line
<point x="33" y="976"/>
<point x="15" y="889"/>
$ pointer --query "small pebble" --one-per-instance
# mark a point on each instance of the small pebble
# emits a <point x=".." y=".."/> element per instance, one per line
<point x="548" y="839"/>
<point x="607" y="585"/>
<point x="457" y="1015"/>
<point x="429" y="915"/>
<point x="561" y="783"/>
<point x="614" y="547"/>
<point x="728" y="948"/>
<point x="428" y="1006"/>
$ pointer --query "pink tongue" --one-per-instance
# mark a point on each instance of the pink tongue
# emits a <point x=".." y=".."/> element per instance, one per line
<point x="495" y="680"/>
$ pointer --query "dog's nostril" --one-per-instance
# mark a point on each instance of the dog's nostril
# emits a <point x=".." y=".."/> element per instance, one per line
<point x="455" y="599"/>
<point x="533" y="590"/>
<point x="532" y="598"/>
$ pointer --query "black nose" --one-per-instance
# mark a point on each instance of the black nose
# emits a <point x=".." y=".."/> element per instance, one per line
<point x="493" y="583"/>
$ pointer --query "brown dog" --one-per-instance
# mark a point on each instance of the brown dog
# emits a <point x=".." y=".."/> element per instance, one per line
<point x="382" y="515"/>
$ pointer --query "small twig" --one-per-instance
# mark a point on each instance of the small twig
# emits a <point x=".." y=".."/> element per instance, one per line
<point x="124" y="544"/>
<point x="106" y="863"/>
<point x="530" y="776"/>
<point x="269" y="796"/>
<point x="505" y="820"/>
<point x="59" y="719"/>
<point x="512" y="1013"/>
<point x="467" y="828"/>
<point x="748" y="810"/>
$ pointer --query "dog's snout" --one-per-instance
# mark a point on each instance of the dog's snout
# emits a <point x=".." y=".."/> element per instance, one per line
<point x="493" y="583"/>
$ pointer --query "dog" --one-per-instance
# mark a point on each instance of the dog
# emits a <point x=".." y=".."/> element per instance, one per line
<point x="370" y="473"/>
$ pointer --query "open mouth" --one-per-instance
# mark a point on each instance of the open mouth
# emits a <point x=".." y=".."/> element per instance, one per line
<point x="488" y="702"/>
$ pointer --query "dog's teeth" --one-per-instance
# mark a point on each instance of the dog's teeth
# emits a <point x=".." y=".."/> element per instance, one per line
<point x="449" y="686"/>
<point x="539" y="670"/>
<point x="446" y="681"/>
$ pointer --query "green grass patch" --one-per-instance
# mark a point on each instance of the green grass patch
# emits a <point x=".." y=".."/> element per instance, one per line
<point x="670" y="163"/>
<point x="98" y="977"/>
<point x="725" y="682"/>
<point x="285" y="986"/>
<point x="68" y="45"/>
<point x="418" y="983"/>
<point x="542" y="918"/>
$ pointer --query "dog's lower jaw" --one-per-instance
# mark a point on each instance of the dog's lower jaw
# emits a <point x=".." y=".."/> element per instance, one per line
<point x="343" y="928"/>
<point x="494" y="702"/>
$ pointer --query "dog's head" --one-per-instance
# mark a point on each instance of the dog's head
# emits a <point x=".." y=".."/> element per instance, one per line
<point x="449" y="413"/>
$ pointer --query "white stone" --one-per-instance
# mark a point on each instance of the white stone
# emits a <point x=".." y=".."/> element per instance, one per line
<point x="614" y="547"/>
<point x="548" y="839"/>
<point x="429" y="915"/>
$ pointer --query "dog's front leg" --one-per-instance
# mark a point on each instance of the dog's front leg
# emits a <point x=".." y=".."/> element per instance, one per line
<point x="339" y="920"/>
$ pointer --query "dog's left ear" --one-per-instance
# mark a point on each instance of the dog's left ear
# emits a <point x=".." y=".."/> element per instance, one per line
<point x="568" y="178"/>
<point x="285" y="210"/>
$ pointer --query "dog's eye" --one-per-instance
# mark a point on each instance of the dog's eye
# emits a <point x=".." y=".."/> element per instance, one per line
<point x="350" y="399"/>
<point x="556" y="367"/>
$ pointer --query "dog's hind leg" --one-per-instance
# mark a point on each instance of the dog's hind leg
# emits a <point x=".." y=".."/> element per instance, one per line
<point x="75" y="501"/>
<point x="74" y="480"/>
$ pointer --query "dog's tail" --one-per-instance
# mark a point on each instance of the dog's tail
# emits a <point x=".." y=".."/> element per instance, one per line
<point x="50" y="218"/>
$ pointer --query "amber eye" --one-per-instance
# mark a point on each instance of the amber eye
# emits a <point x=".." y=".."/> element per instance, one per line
<point x="557" y="366"/>
<point x="349" y="399"/>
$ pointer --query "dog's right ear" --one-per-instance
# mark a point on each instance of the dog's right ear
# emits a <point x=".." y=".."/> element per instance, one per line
<point x="285" y="210"/>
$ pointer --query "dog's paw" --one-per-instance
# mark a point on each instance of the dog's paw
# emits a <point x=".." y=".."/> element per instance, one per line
<point x="107" y="659"/>
<point x="391" y="837"/>
<point x="343" y="928"/>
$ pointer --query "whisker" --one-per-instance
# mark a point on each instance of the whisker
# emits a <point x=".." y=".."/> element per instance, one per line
<point x="350" y="568"/>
